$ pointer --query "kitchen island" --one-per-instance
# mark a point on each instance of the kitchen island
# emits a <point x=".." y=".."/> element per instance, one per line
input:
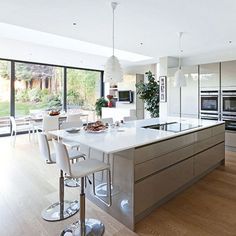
<point x="152" y="160"/>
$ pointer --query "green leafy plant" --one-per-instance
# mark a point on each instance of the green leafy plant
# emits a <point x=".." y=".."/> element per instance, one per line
<point x="149" y="92"/>
<point x="101" y="102"/>
<point x="22" y="95"/>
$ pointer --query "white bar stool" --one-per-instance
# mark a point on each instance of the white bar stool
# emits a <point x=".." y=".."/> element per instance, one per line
<point x="92" y="227"/>
<point x="62" y="209"/>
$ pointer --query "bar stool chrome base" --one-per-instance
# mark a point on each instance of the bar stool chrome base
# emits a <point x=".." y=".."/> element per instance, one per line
<point x="101" y="190"/>
<point x="93" y="228"/>
<point x="57" y="211"/>
<point x="72" y="183"/>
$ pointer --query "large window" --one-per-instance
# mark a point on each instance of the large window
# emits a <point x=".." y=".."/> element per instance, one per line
<point x="37" y="87"/>
<point x="5" y="72"/>
<point x="83" y="88"/>
<point x="27" y="88"/>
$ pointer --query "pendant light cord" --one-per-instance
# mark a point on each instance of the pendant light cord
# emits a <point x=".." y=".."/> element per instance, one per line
<point x="180" y="37"/>
<point x="113" y="29"/>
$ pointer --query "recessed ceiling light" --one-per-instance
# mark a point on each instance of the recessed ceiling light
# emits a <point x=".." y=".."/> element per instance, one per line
<point x="141" y="44"/>
<point x="230" y="41"/>
<point x="74" y="23"/>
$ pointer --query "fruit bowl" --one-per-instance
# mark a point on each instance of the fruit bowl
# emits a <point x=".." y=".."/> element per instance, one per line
<point x="54" y="113"/>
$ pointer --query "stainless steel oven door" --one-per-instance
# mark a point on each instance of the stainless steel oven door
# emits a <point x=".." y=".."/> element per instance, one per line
<point x="209" y="103"/>
<point x="229" y="104"/>
<point x="230" y="123"/>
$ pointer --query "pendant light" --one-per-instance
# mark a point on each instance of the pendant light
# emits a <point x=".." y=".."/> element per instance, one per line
<point x="180" y="79"/>
<point x="113" y="72"/>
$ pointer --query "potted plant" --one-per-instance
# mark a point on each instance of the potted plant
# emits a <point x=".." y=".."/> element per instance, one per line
<point x="101" y="102"/>
<point x="149" y="93"/>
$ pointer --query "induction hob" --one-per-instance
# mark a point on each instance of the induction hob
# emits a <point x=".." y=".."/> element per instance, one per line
<point x="173" y="126"/>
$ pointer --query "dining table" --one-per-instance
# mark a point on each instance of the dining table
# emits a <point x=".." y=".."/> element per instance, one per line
<point x="35" y="119"/>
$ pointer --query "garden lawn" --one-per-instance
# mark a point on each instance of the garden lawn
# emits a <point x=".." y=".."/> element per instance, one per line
<point x="21" y="108"/>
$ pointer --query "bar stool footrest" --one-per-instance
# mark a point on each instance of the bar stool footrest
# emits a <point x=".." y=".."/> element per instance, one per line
<point x="56" y="211"/>
<point x="72" y="183"/>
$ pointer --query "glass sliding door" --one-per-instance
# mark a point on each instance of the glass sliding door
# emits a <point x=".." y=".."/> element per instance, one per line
<point x="5" y="85"/>
<point x="29" y="88"/>
<point x="83" y="89"/>
<point x="38" y="88"/>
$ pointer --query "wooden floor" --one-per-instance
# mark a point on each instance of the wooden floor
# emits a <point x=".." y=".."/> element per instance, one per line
<point x="27" y="185"/>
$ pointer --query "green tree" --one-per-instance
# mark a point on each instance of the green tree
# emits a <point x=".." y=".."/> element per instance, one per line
<point x="5" y="69"/>
<point x="82" y="87"/>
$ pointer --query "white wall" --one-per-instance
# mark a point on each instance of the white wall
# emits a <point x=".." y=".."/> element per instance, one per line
<point x="140" y="69"/>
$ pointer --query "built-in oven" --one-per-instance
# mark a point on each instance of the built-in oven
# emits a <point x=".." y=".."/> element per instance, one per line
<point x="209" y="105"/>
<point x="229" y="102"/>
<point x="228" y="109"/>
<point x="230" y="122"/>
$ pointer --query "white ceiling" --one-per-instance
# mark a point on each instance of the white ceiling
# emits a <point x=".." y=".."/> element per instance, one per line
<point x="208" y="24"/>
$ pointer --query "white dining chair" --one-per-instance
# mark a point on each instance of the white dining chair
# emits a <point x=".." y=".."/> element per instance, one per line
<point x="20" y="126"/>
<point x="107" y="120"/>
<point x="80" y="170"/>
<point x="129" y="118"/>
<point x="73" y="117"/>
<point x="49" y="123"/>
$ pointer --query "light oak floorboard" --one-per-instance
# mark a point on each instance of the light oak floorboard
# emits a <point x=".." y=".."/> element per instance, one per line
<point x="206" y="208"/>
<point x="27" y="185"/>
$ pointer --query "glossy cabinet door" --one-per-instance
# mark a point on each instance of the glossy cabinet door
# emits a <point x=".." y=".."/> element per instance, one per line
<point x="173" y="94"/>
<point x="210" y="76"/>
<point x="189" y="93"/>
<point x="228" y="75"/>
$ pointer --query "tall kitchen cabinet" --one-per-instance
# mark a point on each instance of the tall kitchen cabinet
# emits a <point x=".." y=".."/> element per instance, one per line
<point x="228" y="92"/>
<point x="210" y="98"/>
<point x="189" y="94"/>
<point x="210" y="77"/>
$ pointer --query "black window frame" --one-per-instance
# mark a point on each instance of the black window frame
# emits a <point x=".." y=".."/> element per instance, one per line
<point x="64" y="88"/>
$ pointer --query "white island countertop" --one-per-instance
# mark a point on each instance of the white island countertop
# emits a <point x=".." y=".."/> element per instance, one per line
<point x="132" y="134"/>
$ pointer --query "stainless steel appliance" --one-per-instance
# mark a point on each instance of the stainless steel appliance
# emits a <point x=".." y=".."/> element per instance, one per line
<point x="210" y="105"/>
<point x="229" y="109"/>
<point x="230" y="122"/>
<point x="229" y="102"/>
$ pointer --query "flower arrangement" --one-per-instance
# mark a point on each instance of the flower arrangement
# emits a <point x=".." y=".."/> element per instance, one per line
<point x="109" y="97"/>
